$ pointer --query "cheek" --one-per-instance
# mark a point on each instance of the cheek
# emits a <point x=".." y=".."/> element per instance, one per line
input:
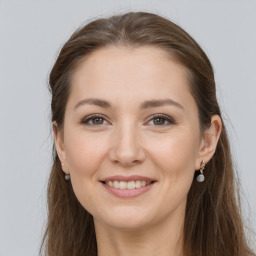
<point x="175" y="157"/>
<point x="84" y="153"/>
<point x="177" y="149"/>
<point x="84" y="156"/>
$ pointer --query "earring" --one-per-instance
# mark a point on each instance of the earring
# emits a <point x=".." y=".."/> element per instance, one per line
<point x="200" y="177"/>
<point x="67" y="177"/>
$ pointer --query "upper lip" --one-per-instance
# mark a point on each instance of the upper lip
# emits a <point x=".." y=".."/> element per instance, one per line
<point x="127" y="178"/>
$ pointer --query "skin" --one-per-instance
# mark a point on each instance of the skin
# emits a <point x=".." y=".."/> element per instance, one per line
<point x="131" y="141"/>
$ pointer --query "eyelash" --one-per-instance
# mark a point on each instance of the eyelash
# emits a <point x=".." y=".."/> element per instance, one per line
<point x="156" y="116"/>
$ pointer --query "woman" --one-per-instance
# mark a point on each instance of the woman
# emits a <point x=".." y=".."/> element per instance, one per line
<point x="142" y="164"/>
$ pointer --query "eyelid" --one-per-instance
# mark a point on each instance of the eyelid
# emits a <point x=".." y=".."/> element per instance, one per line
<point x="92" y="116"/>
<point x="162" y="116"/>
<point x="152" y="117"/>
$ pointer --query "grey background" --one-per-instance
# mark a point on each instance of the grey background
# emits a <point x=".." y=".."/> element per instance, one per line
<point x="32" y="33"/>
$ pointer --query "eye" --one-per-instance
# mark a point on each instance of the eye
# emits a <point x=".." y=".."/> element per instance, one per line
<point x="161" y="120"/>
<point x="98" y="120"/>
<point x="94" y="119"/>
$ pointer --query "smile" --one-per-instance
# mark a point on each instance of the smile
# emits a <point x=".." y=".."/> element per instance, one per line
<point x="128" y="185"/>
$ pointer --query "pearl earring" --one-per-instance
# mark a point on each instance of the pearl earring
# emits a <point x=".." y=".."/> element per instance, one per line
<point x="200" y="177"/>
<point x="67" y="177"/>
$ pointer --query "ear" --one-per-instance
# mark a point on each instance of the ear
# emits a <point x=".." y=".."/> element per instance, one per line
<point x="209" y="141"/>
<point x="59" y="145"/>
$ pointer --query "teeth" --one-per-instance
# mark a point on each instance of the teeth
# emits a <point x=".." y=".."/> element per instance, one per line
<point x="137" y="183"/>
<point x="115" y="184"/>
<point x="123" y="185"/>
<point x="128" y="185"/>
<point x="131" y="185"/>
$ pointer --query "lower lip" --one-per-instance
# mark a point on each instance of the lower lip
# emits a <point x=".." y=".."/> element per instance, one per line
<point x="126" y="193"/>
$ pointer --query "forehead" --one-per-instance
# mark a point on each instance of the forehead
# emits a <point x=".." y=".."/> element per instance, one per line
<point x="116" y="58"/>
<point x="129" y="73"/>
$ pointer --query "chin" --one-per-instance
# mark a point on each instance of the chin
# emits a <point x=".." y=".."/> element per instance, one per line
<point x="124" y="219"/>
<point x="127" y="224"/>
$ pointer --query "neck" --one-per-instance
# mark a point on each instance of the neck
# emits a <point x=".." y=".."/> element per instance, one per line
<point x="163" y="239"/>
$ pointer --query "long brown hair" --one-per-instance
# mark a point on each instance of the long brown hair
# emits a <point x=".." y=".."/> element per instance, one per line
<point x="213" y="223"/>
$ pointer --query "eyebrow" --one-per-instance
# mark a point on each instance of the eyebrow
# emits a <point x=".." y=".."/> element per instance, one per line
<point x="145" y="105"/>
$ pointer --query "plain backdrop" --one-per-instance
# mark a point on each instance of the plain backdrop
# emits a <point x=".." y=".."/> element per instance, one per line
<point x="31" y="35"/>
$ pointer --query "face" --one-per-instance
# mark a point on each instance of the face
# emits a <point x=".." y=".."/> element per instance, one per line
<point x="131" y="137"/>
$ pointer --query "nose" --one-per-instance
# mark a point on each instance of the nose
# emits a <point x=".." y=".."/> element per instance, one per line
<point x="126" y="146"/>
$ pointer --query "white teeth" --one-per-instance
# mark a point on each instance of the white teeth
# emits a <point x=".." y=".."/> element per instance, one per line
<point x="123" y="185"/>
<point x="115" y="184"/>
<point x="131" y="185"/>
<point x="138" y="184"/>
<point x="128" y="185"/>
